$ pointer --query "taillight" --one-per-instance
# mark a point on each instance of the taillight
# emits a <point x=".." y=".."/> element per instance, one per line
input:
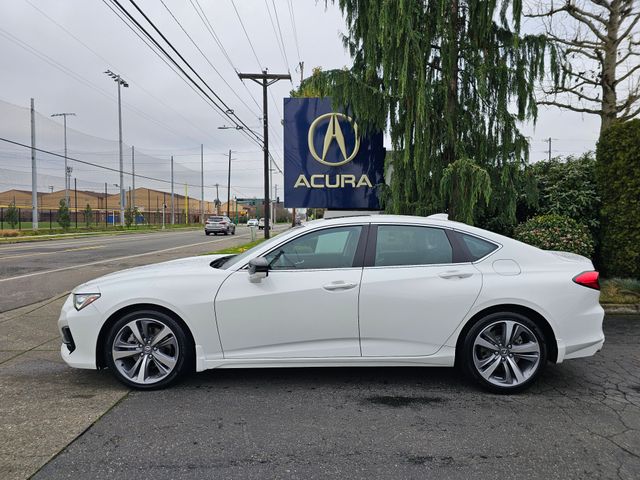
<point x="588" y="279"/>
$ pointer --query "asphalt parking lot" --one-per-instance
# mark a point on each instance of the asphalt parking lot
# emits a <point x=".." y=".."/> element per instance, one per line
<point x="582" y="420"/>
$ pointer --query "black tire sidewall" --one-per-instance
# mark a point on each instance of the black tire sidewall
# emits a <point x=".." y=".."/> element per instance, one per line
<point x="184" y="345"/>
<point x="467" y="350"/>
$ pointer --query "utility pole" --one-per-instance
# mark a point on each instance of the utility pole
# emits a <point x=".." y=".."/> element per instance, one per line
<point x="293" y="213"/>
<point x="106" y="210"/>
<point x="217" y="201"/>
<point x="173" y="211"/>
<point x="275" y="204"/>
<point x="121" y="82"/>
<point x="75" y="197"/>
<point x="67" y="176"/>
<point x="201" y="183"/>
<point x="265" y="79"/>
<point x="549" y="140"/>
<point x="229" y="187"/>
<point x="34" y="171"/>
<point x="132" y="198"/>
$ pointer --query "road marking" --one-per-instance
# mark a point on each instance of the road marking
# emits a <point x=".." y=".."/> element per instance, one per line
<point x="85" y="241"/>
<point x="98" y="262"/>
<point x="51" y="253"/>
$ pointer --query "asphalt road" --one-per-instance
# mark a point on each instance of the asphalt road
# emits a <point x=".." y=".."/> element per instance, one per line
<point x="581" y="420"/>
<point x="31" y="272"/>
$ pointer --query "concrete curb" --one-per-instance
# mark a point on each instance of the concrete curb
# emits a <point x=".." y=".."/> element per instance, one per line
<point x="621" y="308"/>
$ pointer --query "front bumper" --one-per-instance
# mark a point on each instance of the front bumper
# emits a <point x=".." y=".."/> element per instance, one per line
<point x="79" y="332"/>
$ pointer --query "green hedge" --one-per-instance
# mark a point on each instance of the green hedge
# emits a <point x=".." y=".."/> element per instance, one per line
<point x="618" y="176"/>
<point x="556" y="232"/>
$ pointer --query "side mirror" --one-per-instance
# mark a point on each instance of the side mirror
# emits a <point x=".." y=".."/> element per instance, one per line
<point x="258" y="269"/>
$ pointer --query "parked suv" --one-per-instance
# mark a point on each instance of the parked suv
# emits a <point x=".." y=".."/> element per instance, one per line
<point x="252" y="223"/>
<point x="219" y="224"/>
<point x="261" y="224"/>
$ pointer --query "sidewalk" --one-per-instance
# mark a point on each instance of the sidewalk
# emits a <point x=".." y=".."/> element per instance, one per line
<point x="44" y="405"/>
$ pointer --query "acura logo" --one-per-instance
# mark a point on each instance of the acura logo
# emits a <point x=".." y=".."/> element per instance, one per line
<point x="333" y="133"/>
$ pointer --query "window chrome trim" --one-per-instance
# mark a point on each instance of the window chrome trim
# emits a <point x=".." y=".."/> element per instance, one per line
<point x="319" y="229"/>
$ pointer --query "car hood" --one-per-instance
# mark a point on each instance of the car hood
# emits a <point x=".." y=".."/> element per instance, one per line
<point x="190" y="266"/>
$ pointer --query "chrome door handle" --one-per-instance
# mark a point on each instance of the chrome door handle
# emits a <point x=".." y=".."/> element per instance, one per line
<point x="339" y="286"/>
<point x="454" y="274"/>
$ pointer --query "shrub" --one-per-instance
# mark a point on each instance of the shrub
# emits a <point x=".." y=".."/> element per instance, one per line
<point x="88" y="215"/>
<point x="618" y="176"/>
<point x="556" y="232"/>
<point x="568" y="187"/>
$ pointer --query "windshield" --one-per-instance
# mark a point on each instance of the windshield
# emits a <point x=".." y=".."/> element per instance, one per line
<point x="238" y="259"/>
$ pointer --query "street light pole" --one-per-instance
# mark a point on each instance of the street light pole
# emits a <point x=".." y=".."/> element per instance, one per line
<point x="67" y="176"/>
<point x="265" y="79"/>
<point x="121" y="83"/>
<point x="229" y="187"/>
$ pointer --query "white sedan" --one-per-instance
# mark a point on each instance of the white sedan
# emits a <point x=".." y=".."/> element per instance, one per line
<point x="358" y="291"/>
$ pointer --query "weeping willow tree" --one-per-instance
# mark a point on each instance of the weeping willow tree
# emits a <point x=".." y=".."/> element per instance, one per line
<point x="450" y="80"/>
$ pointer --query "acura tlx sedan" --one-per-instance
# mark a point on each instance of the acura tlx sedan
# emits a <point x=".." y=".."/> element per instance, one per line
<point x="367" y="290"/>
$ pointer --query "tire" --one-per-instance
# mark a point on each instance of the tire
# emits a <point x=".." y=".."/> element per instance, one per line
<point x="131" y="341"/>
<point x="206" y="233"/>
<point x="226" y="233"/>
<point x="499" y="366"/>
<point x="233" y="232"/>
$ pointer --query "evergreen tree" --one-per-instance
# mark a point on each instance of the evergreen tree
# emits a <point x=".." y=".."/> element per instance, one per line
<point x="11" y="215"/>
<point x="88" y="215"/>
<point x="64" y="217"/>
<point x="450" y="79"/>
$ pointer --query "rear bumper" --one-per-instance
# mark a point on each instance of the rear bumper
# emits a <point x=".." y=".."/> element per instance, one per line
<point x="585" y="341"/>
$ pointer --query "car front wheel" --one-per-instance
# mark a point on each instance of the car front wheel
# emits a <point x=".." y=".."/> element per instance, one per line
<point x="147" y="350"/>
<point x="504" y="352"/>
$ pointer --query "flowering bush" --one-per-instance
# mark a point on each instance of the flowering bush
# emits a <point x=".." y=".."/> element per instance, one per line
<point x="556" y="232"/>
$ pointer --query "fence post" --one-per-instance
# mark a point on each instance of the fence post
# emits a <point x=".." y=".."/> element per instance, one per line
<point x="1" y="218"/>
<point x="50" y="220"/>
<point x="19" y="219"/>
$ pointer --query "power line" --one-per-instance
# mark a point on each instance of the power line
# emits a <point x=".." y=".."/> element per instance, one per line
<point x="284" y="50"/>
<point x="207" y="58"/>
<point x="246" y="34"/>
<point x="221" y="106"/>
<point x="139" y="86"/>
<point x="102" y="167"/>
<point x="295" y="30"/>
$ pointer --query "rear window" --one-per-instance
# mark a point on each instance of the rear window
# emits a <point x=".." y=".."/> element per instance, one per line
<point x="477" y="247"/>
<point x="215" y="219"/>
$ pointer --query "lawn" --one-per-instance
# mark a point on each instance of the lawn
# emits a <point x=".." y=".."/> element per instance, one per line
<point x="620" y="290"/>
<point x="238" y="249"/>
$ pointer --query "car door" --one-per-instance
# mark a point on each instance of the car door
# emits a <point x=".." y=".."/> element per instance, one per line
<point x="307" y="306"/>
<point x="414" y="290"/>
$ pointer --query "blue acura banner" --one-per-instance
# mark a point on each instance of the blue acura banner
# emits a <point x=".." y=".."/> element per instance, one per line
<point x="328" y="163"/>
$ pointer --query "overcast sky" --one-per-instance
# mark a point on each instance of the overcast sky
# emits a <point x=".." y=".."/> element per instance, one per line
<point x="57" y="50"/>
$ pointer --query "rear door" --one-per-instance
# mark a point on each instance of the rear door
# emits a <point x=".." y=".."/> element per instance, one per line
<point x="415" y="290"/>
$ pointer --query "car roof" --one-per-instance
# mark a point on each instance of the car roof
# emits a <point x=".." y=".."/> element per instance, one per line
<point x="436" y="220"/>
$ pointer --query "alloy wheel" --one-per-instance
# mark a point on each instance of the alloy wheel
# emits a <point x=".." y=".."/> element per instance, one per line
<point x="506" y="353"/>
<point x="145" y="351"/>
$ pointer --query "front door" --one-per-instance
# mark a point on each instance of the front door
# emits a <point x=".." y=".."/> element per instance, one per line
<point x="307" y="307"/>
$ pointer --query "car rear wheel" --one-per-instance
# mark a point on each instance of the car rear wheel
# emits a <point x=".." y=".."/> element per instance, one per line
<point x="504" y="352"/>
<point x="147" y="350"/>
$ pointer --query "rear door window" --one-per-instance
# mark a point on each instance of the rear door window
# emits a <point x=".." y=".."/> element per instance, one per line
<point x="411" y="245"/>
<point x="477" y="247"/>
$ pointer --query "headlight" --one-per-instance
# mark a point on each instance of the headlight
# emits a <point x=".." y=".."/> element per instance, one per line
<point x="81" y="300"/>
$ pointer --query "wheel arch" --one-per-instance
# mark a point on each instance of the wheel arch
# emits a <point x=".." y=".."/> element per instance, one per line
<point x="104" y="330"/>
<point x="540" y="321"/>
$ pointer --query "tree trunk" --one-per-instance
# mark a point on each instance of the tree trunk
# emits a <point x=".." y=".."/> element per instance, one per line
<point x="608" y="79"/>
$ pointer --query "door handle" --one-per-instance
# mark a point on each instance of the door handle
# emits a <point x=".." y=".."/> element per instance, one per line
<point x="454" y="274"/>
<point x="340" y="285"/>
